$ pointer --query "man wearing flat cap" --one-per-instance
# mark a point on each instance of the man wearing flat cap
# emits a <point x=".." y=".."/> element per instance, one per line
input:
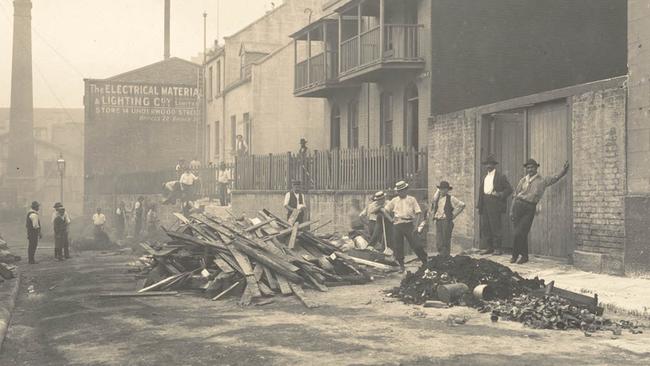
<point x="529" y="192"/>
<point x="406" y="214"/>
<point x="492" y="201"/>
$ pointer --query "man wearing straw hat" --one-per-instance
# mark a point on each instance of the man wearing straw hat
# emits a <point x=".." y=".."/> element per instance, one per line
<point x="492" y="201"/>
<point x="529" y="192"/>
<point x="407" y="215"/>
<point x="379" y="226"/>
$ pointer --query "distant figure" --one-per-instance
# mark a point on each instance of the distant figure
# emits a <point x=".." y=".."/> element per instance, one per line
<point x="445" y="208"/>
<point x="33" y="226"/>
<point x="171" y="192"/>
<point x="294" y="202"/>
<point x="56" y="212"/>
<point x="187" y="185"/>
<point x="180" y="166"/>
<point x="138" y="212"/>
<point x="99" y="220"/>
<point x="223" y="179"/>
<point x="303" y="147"/>
<point x="120" y="220"/>
<point x="241" y="148"/>
<point x="61" y="240"/>
<point x="195" y="165"/>
<point x="152" y="220"/>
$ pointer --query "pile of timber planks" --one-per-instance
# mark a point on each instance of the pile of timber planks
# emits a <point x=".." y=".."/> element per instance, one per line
<point x="252" y="258"/>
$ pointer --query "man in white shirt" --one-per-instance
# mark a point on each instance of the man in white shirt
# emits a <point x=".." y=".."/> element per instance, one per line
<point x="33" y="226"/>
<point x="294" y="202"/>
<point x="492" y="204"/>
<point x="445" y="208"/>
<point x="223" y="179"/>
<point x="99" y="219"/>
<point x="406" y="214"/>
<point x="187" y="184"/>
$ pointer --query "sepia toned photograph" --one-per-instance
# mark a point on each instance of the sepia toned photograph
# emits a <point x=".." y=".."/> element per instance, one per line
<point x="324" y="182"/>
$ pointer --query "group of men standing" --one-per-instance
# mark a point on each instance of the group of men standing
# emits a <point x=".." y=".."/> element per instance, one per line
<point x="61" y="223"/>
<point x="401" y="217"/>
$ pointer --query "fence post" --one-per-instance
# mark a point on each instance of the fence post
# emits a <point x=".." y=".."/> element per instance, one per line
<point x="289" y="170"/>
<point x="270" y="187"/>
<point x="235" y="184"/>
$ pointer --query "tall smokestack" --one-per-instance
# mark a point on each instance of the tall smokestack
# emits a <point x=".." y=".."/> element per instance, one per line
<point x="167" y="14"/>
<point x="21" y="159"/>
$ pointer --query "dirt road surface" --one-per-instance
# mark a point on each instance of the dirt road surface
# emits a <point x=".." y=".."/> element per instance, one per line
<point x="64" y="322"/>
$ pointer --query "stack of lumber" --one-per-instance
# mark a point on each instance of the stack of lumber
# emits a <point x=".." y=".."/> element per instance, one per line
<point x="7" y="261"/>
<point x="252" y="258"/>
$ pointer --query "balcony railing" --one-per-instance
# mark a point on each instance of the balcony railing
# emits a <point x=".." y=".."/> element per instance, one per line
<point x="401" y="44"/>
<point x="316" y="71"/>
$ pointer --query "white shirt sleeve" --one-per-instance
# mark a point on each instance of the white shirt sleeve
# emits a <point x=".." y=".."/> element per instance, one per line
<point x="416" y="206"/>
<point x="34" y="219"/>
<point x="286" y="199"/>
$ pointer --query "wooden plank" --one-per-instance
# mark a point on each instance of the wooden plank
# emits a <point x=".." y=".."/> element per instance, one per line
<point x="138" y="294"/>
<point x="270" y="279"/>
<point x="223" y="265"/>
<point x="300" y="294"/>
<point x="224" y="292"/>
<point x="161" y="283"/>
<point x="365" y="262"/>
<point x="284" y="285"/>
<point x="316" y="283"/>
<point x="247" y="296"/>
<point x="292" y="238"/>
<point x="251" y="283"/>
<point x="288" y="231"/>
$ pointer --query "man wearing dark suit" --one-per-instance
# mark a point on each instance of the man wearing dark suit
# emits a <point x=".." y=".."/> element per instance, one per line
<point x="492" y="197"/>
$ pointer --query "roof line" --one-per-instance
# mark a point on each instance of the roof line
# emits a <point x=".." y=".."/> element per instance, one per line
<point x="147" y="66"/>
<point x="268" y="13"/>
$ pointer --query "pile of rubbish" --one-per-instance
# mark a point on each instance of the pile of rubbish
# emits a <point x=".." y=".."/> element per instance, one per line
<point x="554" y="312"/>
<point x="252" y="258"/>
<point x="495" y="289"/>
<point x="7" y="262"/>
<point x="502" y="283"/>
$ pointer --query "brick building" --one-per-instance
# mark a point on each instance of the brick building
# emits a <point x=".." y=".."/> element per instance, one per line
<point x="142" y="120"/>
<point x="595" y="118"/>
<point x="249" y="88"/>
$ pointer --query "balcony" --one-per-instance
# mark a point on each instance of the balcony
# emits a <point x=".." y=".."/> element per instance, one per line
<point x="364" y="55"/>
<point x="316" y="59"/>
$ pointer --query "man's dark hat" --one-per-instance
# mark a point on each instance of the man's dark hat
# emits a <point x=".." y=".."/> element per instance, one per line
<point x="490" y="160"/>
<point x="531" y="162"/>
<point x="35" y="205"/>
<point x="295" y="182"/>
<point x="58" y="205"/>
<point x="303" y="141"/>
<point x="445" y="185"/>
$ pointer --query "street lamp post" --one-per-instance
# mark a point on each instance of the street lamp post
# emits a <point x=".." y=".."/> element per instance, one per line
<point x="60" y="164"/>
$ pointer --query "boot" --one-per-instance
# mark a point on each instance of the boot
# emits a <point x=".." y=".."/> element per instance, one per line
<point x="487" y="251"/>
<point x="514" y="259"/>
<point x="522" y="260"/>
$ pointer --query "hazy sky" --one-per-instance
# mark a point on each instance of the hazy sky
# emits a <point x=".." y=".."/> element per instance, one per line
<point x="76" y="39"/>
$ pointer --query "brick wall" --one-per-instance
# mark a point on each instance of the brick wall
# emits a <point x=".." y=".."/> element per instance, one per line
<point x="452" y="158"/>
<point x="599" y="175"/>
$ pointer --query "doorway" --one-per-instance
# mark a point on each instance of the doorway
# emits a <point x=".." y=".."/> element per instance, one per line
<point x="541" y="132"/>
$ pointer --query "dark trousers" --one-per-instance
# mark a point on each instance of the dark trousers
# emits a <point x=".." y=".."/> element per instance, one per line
<point x="444" y="228"/>
<point x="406" y="230"/>
<point x="138" y="226"/>
<point x="491" y="223"/>
<point x="223" y="191"/>
<point x="377" y="231"/>
<point x="61" y="247"/>
<point x="31" y="248"/>
<point x="523" y="215"/>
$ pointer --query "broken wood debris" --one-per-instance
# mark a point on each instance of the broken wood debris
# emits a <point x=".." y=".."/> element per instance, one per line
<point x="253" y="259"/>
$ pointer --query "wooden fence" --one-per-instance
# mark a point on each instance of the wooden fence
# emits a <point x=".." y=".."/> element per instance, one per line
<point x="357" y="169"/>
